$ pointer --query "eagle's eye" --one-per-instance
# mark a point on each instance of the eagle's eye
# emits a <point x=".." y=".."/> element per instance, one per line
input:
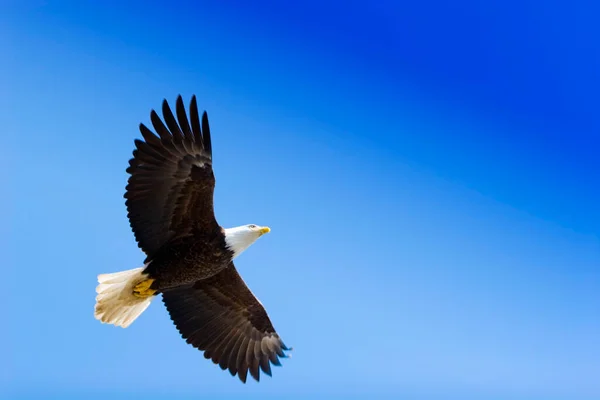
<point x="252" y="226"/>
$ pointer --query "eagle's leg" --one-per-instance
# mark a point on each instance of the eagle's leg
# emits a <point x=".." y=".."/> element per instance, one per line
<point x="143" y="289"/>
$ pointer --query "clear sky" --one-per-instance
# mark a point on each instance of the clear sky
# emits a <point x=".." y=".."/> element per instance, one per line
<point x="429" y="171"/>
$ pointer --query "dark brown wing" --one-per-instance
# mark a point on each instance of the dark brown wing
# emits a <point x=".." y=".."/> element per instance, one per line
<point x="221" y="316"/>
<point x="170" y="190"/>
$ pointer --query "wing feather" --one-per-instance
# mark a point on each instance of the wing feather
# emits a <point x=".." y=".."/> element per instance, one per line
<point x="170" y="189"/>
<point x="221" y="317"/>
<point x="183" y="121"/>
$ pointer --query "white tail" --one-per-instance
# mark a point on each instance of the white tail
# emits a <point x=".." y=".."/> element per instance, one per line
<point x="115" y="302"/>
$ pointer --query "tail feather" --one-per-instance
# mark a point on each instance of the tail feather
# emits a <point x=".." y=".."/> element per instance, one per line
<point x="115" y="302"/>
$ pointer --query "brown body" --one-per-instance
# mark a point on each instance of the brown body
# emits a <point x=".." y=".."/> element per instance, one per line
<point x="189" y="259"/>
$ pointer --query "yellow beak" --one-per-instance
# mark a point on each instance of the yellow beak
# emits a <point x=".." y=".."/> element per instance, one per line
<point x="264" y="229"/>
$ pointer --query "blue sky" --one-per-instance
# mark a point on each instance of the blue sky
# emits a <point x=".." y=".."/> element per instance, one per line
<point x="429" y="171"/>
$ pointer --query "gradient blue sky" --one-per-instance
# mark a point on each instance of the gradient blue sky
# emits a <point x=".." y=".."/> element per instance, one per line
<point x="429" y="170"/>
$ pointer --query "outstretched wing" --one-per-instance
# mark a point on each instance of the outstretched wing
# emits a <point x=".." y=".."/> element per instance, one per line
<point x="170" y="190"/>
<point x="221" y="317"/>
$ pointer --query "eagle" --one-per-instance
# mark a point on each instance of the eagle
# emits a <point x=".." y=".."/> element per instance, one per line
<point x="189" y="256"/>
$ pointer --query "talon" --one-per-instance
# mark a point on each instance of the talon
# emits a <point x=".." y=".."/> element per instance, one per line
<point x="143" y="285"/>
<point x="142" y="289"/>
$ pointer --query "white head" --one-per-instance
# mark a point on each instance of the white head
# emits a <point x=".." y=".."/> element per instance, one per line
<point x="240" y="238"/>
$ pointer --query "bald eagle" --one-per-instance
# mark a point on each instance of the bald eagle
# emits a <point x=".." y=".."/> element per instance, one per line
<point x="189" y="256"/>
